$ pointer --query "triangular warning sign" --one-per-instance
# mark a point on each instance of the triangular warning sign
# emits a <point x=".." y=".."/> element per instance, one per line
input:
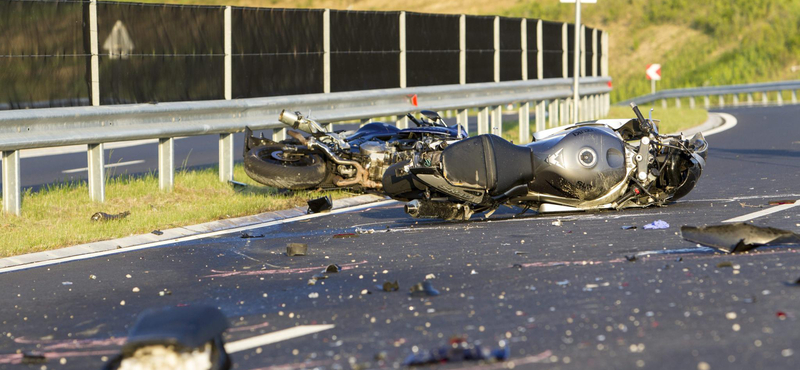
<point x="118" y="44"/>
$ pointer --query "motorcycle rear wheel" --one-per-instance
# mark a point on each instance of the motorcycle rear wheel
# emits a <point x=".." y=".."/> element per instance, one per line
<point x="306" y="172"/>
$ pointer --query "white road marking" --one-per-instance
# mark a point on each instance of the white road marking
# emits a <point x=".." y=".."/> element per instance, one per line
<point x="111" y="165"/>
<point x="730" y="122"/>
<point x="763" y="212"/>
<point x="274" y="337"/>
<point x="193" y="237"/>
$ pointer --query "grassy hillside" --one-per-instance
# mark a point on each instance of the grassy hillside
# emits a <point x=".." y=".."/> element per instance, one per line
<point x="708" y="42"/>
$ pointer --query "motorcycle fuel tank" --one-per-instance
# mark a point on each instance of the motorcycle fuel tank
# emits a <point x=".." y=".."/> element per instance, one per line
<point x="584" y="163"/>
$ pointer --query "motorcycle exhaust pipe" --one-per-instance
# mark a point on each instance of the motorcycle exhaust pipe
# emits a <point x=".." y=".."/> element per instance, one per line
<point x="412" y="208"/>
<point x="296" y="121"/>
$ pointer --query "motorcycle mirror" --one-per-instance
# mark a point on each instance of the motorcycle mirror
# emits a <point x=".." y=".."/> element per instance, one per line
<point x="431" y="115"/>
<point x="413" y="119"/>
<point x="642" y="122"/>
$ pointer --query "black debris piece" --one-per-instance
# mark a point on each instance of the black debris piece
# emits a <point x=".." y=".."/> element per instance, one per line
<point x="516" y="265"/>
<point x="296" y="249"/>
<point x="458" y="350"/>
<point x="102" y="216"/>
<point x="318" y="205"/>
<point x="332" y="269"/>
<point x="33" y="358"/>
<point x="679" y="259"/>
<point x="795" y="283"/>
<point x="249" y="235"/>
<point x="319" y="277"/>
<point x="158" y="232"/>
<point x="391" y="286"/>
<point x="724" y="264"/>
<point x="345" y="235"/>
<point x="738" y="237"/>
<point x="520" y="253"/>
<point x="424" y="289"/>
<point x="629" y="227"/>
<point x="631" y="258"/>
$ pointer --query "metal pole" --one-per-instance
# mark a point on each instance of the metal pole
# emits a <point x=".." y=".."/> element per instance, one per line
<point x="497" y="120"/>
<point x="403" y="49"/>
<point x="96" y="164"/>
<point x="496" y="49"/>
<point x="94" y="46"/>
<point x="326" y="51"/>
<point x="225" y="140"/>
<point x="652" y="86"/>
<point x="577" y="55"/>
<point x="524" y="122"/>
<point x="462" y="49"/>
<point x="166" y="164"/>
<point x="483" y="120"/>
<point x="12" y="198"/>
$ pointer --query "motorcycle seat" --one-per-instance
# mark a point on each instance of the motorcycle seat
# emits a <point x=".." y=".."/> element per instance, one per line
<point x="488" y="162"/>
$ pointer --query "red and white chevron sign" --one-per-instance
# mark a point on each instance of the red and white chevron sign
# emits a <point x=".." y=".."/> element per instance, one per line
<point x="653" y="72"/>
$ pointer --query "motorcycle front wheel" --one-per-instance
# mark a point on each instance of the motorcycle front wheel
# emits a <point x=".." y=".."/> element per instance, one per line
<point x="268" y="165"/>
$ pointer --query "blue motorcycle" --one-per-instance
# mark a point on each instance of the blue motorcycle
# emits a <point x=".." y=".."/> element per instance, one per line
<point x="328" y="160"/>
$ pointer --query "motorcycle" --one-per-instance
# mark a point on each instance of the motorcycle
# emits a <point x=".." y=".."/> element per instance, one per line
<point x="341" y="159"/>
<point x="602" y="164"/>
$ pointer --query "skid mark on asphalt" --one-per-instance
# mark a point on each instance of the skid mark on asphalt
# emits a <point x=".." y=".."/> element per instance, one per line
<point x="299" y="270"/>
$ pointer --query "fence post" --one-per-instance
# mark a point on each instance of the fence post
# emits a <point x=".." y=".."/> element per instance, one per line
<point x="539" y="51"/>
<point x="564" y="52"/>
<point x="722" y="101"/>
<point x="780" y="97"/>
<point x="403" y="50"/>
<point x="326" y="51"/>
<point x="12" y="198"/>
<point x="764" y="98"/>
<point x="225" y="140"/>
<point x="523" y="37"/>
<point x="691" y="102"/>
<point x="524" y="122"/>
<point x="483" y="120"/>
<point x="166" y="163"/>
<point x="794" y="96"/>
<point x="677" y="102"/>
<point x="540" y="123"/>
<point x="707" y="101"/>
<point x="462" y="118"/>
<point x="95" y="160"/>
<point x="462" y="49"/>
<point x="497" y="120"/>
<point x="496" y="49"/>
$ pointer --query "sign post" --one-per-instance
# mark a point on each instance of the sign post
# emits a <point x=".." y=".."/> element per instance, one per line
<point x="577" y="54"/>
<point x="653" y="74"/>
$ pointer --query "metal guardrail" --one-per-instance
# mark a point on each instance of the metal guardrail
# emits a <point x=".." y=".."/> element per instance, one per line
<point x="720" y="92"/>
<point x="93" y="126"/>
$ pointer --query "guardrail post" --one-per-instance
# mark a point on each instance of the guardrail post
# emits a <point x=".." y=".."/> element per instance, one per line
<point x="278" y="134"/>
<point x="551" y="110"/>
<point x="462" y="49"/>
<point x="563" y="113"/>
<point x="166" y="163"/>
<point x="707" y="101"/>
<point x="764" y="98"/>
<point x="497" y="120"/>
<point x="96" y="164"/>
<point x="483" y="120"/>
<point x="677" y="102"/>
<point x="496" y="49"/>
<point x="225" y="157"/>
<point x="691" y="102"/>
<point x="604" y="66"/>
<point x="794" y="96"/>
<point x="462" y="118"/>
<point x="540" y="115"/>
<point x="524" y="122"/>
<point x="722" y="101"/>
<point x="780" y="97"/>
<point x="12" y="198"/>
<point x="402" y="122"/>
<point x="225" y="140"/>
<point x="402" y="49"/>
<point x="326" y="51"/>
<point x="663" y="103"/>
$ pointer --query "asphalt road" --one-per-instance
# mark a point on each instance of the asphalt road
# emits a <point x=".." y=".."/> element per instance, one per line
<point x="576" y="302"/>
<point x="47" y="166"/>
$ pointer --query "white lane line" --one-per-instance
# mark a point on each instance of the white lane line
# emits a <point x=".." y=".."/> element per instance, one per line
<point x="112" y="165"/>
<point x="735" y="199"/>
<point x="763" y="212"/>
<point x="193" y="237"/>
<point x="274" y="337"/>
<point x="730" y="122"/>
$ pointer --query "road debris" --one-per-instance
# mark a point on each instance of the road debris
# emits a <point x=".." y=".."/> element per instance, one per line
<point x="424" y="289"/>
<point x="738" y="237"/>
<point x="631" y="258"/>
<point x="345" y="235"/>
<point x="30" y="358"/>
<point x="563" y="283"/>
<point x="390" y="286"/>
<point x="102" y="216"/>
<point x="430" y="277"/>
<point x="458" y="350"/>
<point x="333" y="269"/>
<point x="237" y="184"/>
<point x="656" y="225"/>
<point x="157" y="232"/>
<point x="66" y="283"/>
<point x="360" y="230"/>
<point x="296" y="249"/>
<point x="781" y="202"/>
<point x="164" y="292"/>
<point x="249" y="235"/>
<point x="520" y="253"/>
<point x="795" y="283"/>
<point x="629" y="227"/>
<point x="725" y="264"/>
<point x="556" y="223"/>
<point x="320" y="205"/>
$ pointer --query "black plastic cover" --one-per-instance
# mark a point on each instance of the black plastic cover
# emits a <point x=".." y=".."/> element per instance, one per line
<point x="365" y="50"/>
<point x="552" y="50"/>
<point x="276" y="52"/>
<point x="480" y="49"/>
<point x="432" y="49"/>
<point x="510" y="49"/>
<point x="175" y="53"/>
<point x="43" y="55"/>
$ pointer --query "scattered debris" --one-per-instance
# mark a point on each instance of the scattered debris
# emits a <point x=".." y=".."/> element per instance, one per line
<point x="319" y="205"/>
<point x="430" y="277"/>
<point x="93" y="277"/>
<point x="629" y="227"/>
<point x="725" y="264"/>
<point x="631" y="258"/>
<point x="102" y="216"/>
<point x="319" y="277"/>
<point x="795" y="283"/>
<point x="313" y="295"/>
<point x="738" y="237"/>
<point x="655" y="225"/>
<point x="520" y="253"/>
<point x="783" y="201"/>
<point x="332" y="269"/>
<point x="391" y="287"/>
<point x="249" y="235"/>
<point x="458" y="350"/>
<point x="365" y="292"/>
<point x="66" y="283"/>
<point x="157" y="232"/>
<point x="360" y="230"/>
<point x="164" y="292"/>
<point x="563" y="283"/>
<point x="473" y="272"/>
<point x="679" y="259"/>
<point x="556" y="223"/>
<point x="237" y="185"/>
<point x="30" y="358"/>
<point x="296" y="249"/>
<point x="516" y="265"/>
<point x="135" y="289"/>
<point x="346" y="235"/>
<point x="424" y="289"/>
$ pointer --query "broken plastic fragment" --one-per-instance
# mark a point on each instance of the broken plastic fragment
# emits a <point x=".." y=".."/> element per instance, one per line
<point x="296" y="249"/>
<point x="66" y="283"/>
<point x="158" y="232"/>
<point x="332" y="269"/>
<point x="631" y="258"/>
<point x="33" y="358"/>
<point x="318" y="205"/>
<point x="783" y="201"/>
<point x="725" y="264"/>
<point x="360" y="230"/>
<point x="655" y="225"/>
<point x="629" y="227"/>
<point x="795" y="283"/>
<point x="345" y="235"/>
<point x="430" y="277"/>
<point x="248" y="235"/>
<point x="237" y="184"/>
<point x="556" y="223"/>
<point x="516" y="265"/>
<point x="520" y="252"/>
<point x="457" y="351"/>
<point x="738" y="237"/>
<point x="391" y="287"/>
<point x="424" y="289"/>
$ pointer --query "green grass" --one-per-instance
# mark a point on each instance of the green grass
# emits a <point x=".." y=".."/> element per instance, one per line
<point x="59" y="215"/>
<point x="672" y="119"/>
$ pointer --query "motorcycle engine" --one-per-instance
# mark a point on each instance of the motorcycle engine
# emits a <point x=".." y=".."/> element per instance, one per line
<point x="378" y="156"/>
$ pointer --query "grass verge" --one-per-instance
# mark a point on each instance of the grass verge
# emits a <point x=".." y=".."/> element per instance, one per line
<point x="59" y="215"/>
<point x="672" y="119"/>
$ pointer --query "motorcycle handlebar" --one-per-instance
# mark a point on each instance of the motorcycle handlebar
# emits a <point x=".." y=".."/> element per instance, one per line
<point x="642" y="122"/>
